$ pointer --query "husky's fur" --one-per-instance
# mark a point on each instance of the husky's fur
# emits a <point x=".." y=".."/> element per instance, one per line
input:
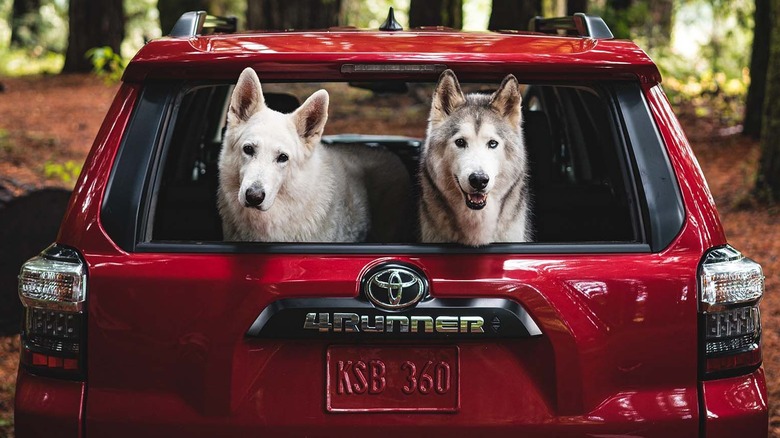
<point x="474" y="137"/>
<point x="308" y="192"/>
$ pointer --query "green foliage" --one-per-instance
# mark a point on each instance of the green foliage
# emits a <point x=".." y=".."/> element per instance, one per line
<point x="106" y="64"/>
<point x="710" y="95"/>
<point x="19" y="62"/>
<point x="624" y="23"/>
<point x="142" y="24"/>
<point x="713" y="79"/>
<point x="66" y="172"/>
<point x="44" y="31"/>
<point x="703" y="53"/>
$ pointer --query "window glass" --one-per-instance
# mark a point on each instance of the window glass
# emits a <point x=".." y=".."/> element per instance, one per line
<point x="576" y="164"/>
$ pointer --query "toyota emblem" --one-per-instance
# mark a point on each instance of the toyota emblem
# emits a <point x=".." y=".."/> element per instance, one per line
<point x="394" y="286"/>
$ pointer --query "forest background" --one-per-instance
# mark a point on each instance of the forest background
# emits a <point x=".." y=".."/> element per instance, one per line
<point x="60" y="61"/>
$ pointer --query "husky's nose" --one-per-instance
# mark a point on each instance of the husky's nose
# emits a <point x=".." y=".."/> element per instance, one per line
<point x="254" y="196"/>
<point x="479" y="180"/>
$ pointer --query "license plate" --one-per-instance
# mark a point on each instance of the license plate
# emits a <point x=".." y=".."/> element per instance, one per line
<point x="392" y="379"/>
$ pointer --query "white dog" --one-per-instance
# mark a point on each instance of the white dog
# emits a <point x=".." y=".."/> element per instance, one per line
<point x="473" y="167"/>
<point x="277" y="183"/>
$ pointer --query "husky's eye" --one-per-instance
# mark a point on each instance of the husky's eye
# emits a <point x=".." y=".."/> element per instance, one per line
<point x="492" y="144"/>
<point x="249" y="150"/>
<point x="461" y="143"/>
<point x="282" y="158"/>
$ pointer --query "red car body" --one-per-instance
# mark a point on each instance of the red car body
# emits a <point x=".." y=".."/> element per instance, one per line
<point x="167" y="352"/>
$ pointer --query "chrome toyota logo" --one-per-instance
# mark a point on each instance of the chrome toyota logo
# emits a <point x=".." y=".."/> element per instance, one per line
<point x="394" y="287"/>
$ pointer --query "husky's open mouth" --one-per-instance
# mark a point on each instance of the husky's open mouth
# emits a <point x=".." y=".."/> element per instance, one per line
<point x="476" y="201"/>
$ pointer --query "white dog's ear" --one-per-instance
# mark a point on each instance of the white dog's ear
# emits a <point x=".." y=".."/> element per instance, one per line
<point x="507" y="99"/>
<point x="310" y="118"/>
<point x="447" y="97"/>
<point x="247" y="97"/>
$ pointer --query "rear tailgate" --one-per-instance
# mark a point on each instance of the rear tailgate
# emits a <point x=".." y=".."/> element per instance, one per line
<point x="172" y="350"/>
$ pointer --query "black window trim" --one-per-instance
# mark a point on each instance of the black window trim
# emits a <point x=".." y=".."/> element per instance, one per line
<point x="653" y="177"/>
<point x="121" y="214"/>
<point x="661" y="199"/>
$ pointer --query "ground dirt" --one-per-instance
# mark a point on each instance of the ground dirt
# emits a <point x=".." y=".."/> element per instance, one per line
<point x="53" y="120"/>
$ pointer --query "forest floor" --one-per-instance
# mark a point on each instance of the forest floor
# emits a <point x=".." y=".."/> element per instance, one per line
<point x="48" y="123"/>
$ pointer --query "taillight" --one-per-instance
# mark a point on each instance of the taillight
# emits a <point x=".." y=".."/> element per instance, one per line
<point x="53" y="290"/>
<point x="730" y="287"/>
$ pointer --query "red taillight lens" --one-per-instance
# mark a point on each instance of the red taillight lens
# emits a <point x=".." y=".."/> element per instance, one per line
<point x="52" y="288"/>
<point x="730" y="287"/>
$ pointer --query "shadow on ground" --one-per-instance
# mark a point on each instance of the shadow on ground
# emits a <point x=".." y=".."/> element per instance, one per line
<point x="28" y="224"/>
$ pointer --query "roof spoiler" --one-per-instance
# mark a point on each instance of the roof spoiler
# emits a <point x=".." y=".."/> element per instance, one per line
<point x="579" y="24"/>
<point x="194" y="23"/>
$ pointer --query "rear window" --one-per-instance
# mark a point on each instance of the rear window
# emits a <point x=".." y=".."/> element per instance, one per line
<point x="579" y="162"/>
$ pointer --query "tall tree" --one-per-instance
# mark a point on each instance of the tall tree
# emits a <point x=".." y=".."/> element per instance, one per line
<point x="619" y="5"/>
<point x="25" y="22"/>
<point x="92" y="24"/>
<point x="447" y="13"/>
<point x="574" y="6"/>
<point x="292" y="14"/>
<point x="758" y="65"/>
<point x="768" y="177"/>
<point x="513" y="14"/>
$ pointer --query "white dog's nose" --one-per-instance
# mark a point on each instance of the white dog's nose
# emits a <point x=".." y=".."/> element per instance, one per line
<point x="254" y="196"/>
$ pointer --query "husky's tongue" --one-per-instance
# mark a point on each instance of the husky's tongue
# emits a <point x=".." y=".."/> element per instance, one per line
<point x="476" y="201"/>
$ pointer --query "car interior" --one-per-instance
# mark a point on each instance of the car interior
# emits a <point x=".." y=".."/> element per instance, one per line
<point x="580" y="191"/>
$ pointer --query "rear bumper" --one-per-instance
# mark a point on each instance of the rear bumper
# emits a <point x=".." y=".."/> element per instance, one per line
<point x="736" y="406"/>
<point x="48" y="407"/>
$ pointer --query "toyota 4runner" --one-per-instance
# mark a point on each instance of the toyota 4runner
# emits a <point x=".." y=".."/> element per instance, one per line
<point x="628" y="315"/>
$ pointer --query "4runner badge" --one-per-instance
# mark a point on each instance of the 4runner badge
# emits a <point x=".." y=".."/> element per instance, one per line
<point x="394" y="287"/>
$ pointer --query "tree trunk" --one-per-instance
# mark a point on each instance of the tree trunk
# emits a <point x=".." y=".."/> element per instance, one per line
<point x="619" y="5"/>
<point x="758" y="65"/>
<point x="292" y="14"/>
<point x="25" y="23"/>
<point x="513" y="14"/>
<point x="574" y="6"/>
<point x="768" y="178"/>
<point x="92" y="24"/>
<point x="447" y="13"/>
<point x="171" y="10"/>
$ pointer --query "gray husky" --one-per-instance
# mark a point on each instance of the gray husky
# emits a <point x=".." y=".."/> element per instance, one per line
<point x="277" y="183"/>
<point x="473" y="167"/>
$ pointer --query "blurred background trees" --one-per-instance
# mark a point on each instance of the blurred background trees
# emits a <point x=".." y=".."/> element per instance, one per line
<point x="768" y="178"/>
<point x="447" y="13"/>
<point x="714" y="55"/>
<point x="92" y="24"/>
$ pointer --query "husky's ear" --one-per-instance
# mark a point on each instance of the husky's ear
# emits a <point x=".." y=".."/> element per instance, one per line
<point x="447" y="97"/>
<point x="247" y="97"/>
<point x="507" y="99"/>
<point x="310" y="118"/>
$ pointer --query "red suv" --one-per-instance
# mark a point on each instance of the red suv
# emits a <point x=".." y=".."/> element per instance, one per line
<point x="628" y="315"/>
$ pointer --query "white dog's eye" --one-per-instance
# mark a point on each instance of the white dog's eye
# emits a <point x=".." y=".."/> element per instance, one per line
<point x="282" y="158"/>
<point x="492" y="144"/>
<point x="249" y="150"/>
<point x="461" y="143"/>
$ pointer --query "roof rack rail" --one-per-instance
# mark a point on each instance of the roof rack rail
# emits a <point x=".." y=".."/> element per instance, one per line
<point x="193" y="23"/>
<point x="579" y="24"/>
